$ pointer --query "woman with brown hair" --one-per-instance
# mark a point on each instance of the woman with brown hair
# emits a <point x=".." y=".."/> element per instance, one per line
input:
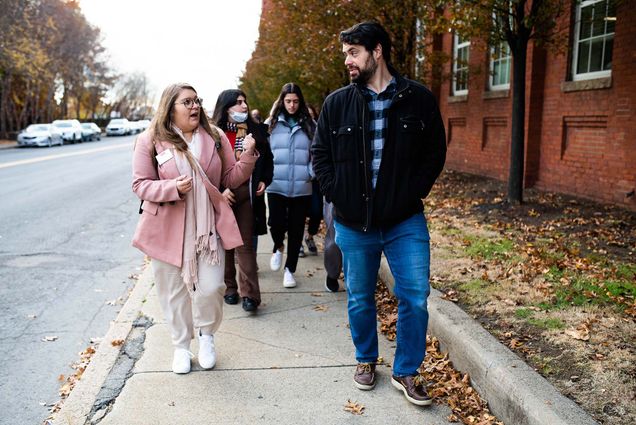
<point x="231" y="115"/>
<point x="289" y="196"/>
<point x="186" y="223"/>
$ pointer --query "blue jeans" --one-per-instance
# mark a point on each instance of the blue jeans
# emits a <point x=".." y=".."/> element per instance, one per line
<point x="406" y="247"/>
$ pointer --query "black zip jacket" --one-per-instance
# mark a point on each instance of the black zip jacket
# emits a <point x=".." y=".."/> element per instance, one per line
<point x="412" y="158"/>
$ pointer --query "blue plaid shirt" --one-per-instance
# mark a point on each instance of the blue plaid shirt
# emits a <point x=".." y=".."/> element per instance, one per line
<point x="378" y="110"/>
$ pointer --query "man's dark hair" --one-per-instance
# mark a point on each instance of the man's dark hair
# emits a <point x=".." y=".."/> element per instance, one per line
<point x="369" y="34"/>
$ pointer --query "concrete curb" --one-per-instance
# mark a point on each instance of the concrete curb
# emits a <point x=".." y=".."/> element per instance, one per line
<point x="8" y="145"/>
<point x="79" y="404"/>
<point x="516" y="394"/>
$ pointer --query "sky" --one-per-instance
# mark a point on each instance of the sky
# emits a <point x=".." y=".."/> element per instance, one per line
<point x="204" y="43"/>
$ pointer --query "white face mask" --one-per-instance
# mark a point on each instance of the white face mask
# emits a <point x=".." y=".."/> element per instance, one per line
<point x="238" y="116"/>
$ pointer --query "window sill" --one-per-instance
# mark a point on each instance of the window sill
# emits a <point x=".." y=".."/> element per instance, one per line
<point x="458" y="99"/>
<point x="496" y="94"/>
<point x="581" y="85"/>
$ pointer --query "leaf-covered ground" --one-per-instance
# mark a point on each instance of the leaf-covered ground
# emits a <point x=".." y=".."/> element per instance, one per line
<point x="554" y="279"/>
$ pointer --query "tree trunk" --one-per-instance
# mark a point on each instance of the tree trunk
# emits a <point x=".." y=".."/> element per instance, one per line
<point x="4" y="106"/>
<point x="515" y="176"/>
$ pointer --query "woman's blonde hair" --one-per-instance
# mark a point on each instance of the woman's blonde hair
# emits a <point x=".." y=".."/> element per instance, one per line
<point x="161" y="125"/>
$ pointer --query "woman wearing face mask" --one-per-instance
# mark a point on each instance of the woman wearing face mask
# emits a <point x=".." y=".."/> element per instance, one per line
<point x="289" y="196"/>
<point x="248" y="204"/>
<point x="186" y="224"/>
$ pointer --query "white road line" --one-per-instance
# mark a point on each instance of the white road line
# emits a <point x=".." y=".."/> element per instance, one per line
<point x="64" y="155"/>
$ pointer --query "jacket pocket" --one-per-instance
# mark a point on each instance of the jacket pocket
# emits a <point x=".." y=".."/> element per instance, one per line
<point x="344" y="143"/>
<point x="411" y="132"/>
<point x="150" y="207"/>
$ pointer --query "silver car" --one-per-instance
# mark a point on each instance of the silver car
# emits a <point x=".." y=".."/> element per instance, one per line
<point x="90" y="131"/>
<point x="71" y="130"/>
<point x="40" y="135"/>
<point x="118" y="127"/>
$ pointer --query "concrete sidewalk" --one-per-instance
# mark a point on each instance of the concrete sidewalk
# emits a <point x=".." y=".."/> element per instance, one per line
<point x="292" y="362"/>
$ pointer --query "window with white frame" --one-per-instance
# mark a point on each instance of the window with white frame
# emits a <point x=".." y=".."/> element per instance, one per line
<point x="593" y="39"/>
<point x="500" y="60"/>
<point x="461" y="48"/>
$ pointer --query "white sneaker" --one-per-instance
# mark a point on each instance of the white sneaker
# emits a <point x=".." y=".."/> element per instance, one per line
<point x="181" y="360"/>
<point x="207" y="355"/>
<point x="288" y="279"/>
<point x="276" y="261"/>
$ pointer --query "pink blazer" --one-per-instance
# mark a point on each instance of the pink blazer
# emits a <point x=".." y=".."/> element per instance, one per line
<point x="161" y="227"/>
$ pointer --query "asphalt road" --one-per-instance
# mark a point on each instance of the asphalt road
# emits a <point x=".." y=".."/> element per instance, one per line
<point x="67" y="215"/>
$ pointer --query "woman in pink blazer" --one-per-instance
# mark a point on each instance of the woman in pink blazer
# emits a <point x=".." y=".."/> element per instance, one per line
<point x="186" y="224"/>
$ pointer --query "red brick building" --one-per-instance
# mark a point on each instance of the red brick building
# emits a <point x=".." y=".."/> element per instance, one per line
<point x="580" y="107"/>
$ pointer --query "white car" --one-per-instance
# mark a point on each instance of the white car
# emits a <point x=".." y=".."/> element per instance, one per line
<point x="135" y="127"/>
<point x="143" y="124"/>
<point x="90" y="131"/>
<point x="71" y="130"/>
<point x="118" y="127"/>
<point x="40" y="135"/>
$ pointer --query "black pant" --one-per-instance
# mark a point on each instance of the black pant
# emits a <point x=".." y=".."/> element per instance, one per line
<point x="287" y="215"/>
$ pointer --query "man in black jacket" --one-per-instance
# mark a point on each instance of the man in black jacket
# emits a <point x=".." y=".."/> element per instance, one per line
<point x="378" y="148"/>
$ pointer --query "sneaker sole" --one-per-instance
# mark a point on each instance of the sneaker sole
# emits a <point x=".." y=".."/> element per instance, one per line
<point x="209" y="367"/>
<point x="363" y="387"/>
<point x="289" y="285"/>
<point x="400" y="387"/>
<point x="329" y="290"/>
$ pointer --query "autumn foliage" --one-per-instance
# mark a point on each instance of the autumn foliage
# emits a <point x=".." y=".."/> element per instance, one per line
<point x="298" y="41"/>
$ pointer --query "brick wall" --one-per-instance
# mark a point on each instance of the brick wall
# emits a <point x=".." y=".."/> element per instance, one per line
<point x="580" y="138"/>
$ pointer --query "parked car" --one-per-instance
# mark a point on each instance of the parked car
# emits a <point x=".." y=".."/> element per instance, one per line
<point x="118" y="127"/>
<point x="71" y="130"/>
<point x="143" y="124"/>
<point x="90" y="131"/>
<point x="40" y="135"/>
<point x="135" y="127"/>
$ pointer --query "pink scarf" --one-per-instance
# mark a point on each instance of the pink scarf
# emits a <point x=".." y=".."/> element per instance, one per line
<point x="200" y="242"/>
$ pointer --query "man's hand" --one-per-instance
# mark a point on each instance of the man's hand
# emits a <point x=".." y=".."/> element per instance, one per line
<point x="184" y="184"/>
<point x="229" y="197"/>
<point x="260" y="189"/>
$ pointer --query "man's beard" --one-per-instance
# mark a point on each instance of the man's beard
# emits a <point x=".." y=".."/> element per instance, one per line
<point x="364" y="75"/>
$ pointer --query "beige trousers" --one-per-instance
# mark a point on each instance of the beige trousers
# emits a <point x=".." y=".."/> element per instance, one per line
<point x="184" y="314"/>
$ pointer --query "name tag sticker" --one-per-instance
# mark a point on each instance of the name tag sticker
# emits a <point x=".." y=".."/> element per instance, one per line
<point x="164" y="156"/>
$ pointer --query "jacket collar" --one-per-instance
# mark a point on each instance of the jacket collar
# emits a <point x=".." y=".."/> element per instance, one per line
<point x="401" y="83"/>
<point x="207" y="148"/>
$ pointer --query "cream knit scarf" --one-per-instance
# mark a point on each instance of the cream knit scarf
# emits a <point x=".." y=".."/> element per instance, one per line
<point x="200" y="237"/>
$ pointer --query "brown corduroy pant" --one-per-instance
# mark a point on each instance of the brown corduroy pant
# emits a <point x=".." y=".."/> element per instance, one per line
<point x="246" y="257"/>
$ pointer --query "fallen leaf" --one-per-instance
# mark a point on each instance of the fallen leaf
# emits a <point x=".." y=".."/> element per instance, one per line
<point x="117" y="342"/>
<point x="321" y="307"/>
<point x="316" y="294"/>
<point x="450" y="295"/>
<point x="354" y="408"/>
<point x="582" y="334"/>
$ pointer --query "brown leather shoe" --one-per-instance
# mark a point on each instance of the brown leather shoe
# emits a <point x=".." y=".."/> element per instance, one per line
<point x="414" y="389"/>
<point x="364" y="377"/>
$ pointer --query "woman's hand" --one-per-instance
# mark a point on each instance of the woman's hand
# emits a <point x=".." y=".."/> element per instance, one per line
<point x="184" y="184"/>
<point x="229" y="197"/>
<point x="260" y="189"/>
<point x="249" y="144"/>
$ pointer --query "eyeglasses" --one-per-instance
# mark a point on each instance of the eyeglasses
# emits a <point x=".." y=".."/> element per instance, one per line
<point x="189" y="103"/>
